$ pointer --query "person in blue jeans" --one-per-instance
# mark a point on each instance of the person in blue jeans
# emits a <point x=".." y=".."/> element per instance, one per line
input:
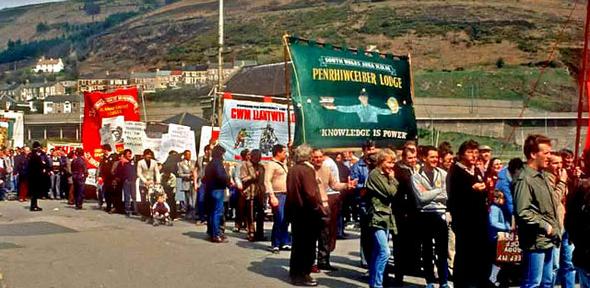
<point x="202" y="162"/>
<point x="381" y="189"/>
<point x="563" y="268"/>
<point x="126" y="172"/>
<point x="564" y="271"/>
<point x="216" y="181"/>
<point x="536" y="213"/>
<point x="275" y="183"/>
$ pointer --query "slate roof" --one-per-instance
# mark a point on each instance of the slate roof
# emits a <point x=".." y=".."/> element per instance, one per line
<point x="267" y="80"/>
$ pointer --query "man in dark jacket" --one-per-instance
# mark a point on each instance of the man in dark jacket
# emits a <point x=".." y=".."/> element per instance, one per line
<point x="536" y="213"/>
<point x="38" y="167"/>
<point x="577" y="224"/>
<point x="469" y="214"/>
<point x="216" y="181"/>
<point x="126" y="175"/>
<point x="305" y="210"/>
<point x="405" y="247"/>
<point x="79" y="174"/>
<point x="105" y="171"/>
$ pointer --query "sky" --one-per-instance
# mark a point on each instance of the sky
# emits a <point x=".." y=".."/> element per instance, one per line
<point x="16" y="3"/>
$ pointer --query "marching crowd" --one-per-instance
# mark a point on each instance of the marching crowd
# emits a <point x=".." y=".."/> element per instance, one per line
<point x="444" y="213"/>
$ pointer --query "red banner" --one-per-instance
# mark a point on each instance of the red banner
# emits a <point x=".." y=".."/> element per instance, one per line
<point x="587" y="146"/>
<point x="101" y="105"/>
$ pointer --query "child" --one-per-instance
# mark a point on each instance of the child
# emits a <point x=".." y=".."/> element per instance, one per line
<point x="161" y="211"/>
<point x="499" y="227"/>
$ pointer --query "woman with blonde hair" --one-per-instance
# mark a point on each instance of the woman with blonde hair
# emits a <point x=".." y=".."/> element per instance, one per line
<point x="381" y="189"/>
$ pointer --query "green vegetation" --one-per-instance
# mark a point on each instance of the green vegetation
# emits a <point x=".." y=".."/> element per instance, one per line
<point x="75" y="35"/>
<point x="509" y="83"/>
<point x="499" y="146"/>
<point x="261" y="36"/>
<point x="42" y="27"/>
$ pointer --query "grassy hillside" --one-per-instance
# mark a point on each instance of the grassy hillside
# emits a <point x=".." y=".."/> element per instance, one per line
<point x="554" y="89"/>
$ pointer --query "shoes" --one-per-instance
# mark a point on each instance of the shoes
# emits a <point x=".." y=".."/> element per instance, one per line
<point x="447" y="285"/>
<point x="430" y="285"/>
<point x="219" y="240"/>
<point x="79" y="208"/>
<point x="36" y="209"/>
<point x="327" y="267"/>
<point x="286" y="247"/>
<point x="304" y="281"/>
<point x="156" y="223"/>
<point x="113" y="210"/>
<point x="315" y="269"/>
<point x="274" y="250"/>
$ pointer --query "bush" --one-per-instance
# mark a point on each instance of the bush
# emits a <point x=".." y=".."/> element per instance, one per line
<point x="42" y="27"/>
<point x="500" y="63"/>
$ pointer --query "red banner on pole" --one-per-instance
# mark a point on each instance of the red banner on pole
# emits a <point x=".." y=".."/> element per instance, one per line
<point x="101" y="105"/>
<point x="587" y="146"/>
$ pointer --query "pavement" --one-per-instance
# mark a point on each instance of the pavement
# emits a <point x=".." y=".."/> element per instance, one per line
<point x="61" y="247"/>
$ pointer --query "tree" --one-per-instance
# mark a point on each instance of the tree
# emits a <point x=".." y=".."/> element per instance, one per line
<point x="91" y="8"/>
<point x="500" y="63"/>
<point x="42" y="27"/>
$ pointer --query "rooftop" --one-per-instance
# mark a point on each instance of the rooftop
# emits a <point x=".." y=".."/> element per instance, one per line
<point x="62" y="98"/>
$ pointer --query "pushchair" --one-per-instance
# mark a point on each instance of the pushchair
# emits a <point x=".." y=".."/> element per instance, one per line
<point x="159" y="209"/>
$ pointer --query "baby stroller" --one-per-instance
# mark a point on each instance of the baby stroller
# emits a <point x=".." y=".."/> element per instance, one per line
<point x="159" y="209"/>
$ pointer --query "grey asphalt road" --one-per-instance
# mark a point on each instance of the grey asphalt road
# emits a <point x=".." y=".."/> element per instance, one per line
<point x="61" y="247"/>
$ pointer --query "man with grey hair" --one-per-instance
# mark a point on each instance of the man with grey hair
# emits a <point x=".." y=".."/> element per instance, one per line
<point x="305" y="210"/>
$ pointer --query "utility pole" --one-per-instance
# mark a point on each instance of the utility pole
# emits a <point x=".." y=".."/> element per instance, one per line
<point x="582" y="78"/>
<point x="220" y="66"/>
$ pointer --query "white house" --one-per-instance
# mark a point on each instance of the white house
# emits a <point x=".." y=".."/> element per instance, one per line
<point x="61" y="104"/>
<point x="49" y="65"/>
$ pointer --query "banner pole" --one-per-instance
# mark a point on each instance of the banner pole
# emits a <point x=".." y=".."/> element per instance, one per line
<point x="411" y="77"/>
<point x="143" y="104"/>
<point x="582" y="78"/>
<point x="220" y="65"/>
<point x="287" y="87"/>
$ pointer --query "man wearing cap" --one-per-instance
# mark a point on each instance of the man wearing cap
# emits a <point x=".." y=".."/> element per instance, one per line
<point x="367" y="113"/>
<point x="485" y="154"/>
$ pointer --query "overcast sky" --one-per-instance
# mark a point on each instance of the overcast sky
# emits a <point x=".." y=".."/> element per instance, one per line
<point x="15" y="3"/>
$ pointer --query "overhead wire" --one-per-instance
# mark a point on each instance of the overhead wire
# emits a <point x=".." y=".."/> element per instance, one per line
<point x="531" y="94"/>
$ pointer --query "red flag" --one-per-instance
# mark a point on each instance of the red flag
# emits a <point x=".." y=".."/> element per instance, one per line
<point x="587" y="146"/>
<point x="99" y="105"/>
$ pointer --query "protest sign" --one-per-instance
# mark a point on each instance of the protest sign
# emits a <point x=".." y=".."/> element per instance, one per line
<point x="253" y="125"/>
<point x="134" y="135"/>
<point x="508" y="250"/>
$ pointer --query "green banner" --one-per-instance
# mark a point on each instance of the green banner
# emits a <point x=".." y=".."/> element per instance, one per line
<point x="344" y="97"/>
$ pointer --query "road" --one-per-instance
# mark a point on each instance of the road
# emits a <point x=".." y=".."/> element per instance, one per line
<point x="61" y="247"/>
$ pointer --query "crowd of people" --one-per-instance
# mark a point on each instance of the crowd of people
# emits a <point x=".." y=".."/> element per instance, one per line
<point x="442" y="215"/>
<point x="34" y="173"/>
